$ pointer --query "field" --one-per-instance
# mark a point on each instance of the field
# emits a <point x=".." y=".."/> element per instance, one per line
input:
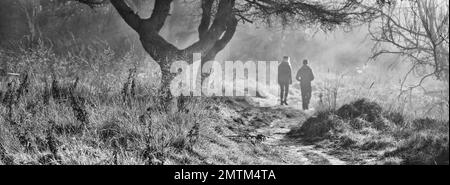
<point x="53" y="115"/>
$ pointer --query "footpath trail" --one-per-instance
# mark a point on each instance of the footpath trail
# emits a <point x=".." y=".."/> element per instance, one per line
<point x="292" y="151"/>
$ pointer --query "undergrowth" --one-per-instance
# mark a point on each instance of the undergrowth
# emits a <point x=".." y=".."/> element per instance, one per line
<point x="363" y="125"/>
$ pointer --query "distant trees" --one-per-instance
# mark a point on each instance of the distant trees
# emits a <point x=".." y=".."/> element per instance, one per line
<point x="418" y="31"/>
<point x="9" y="20"/>
<point x="31" y="9"/>
<point x="59" y="21"/>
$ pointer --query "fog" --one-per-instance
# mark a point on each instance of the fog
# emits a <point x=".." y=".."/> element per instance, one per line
<point x="72" y="27"/>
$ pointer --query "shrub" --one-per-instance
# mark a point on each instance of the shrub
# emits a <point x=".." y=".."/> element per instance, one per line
<point x="362" y="108"/>
<point x="395" y="117"/>
<point x="316" y="127"/>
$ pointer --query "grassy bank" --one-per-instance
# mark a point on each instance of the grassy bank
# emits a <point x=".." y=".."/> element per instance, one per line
<point x="69" y="122"/>
<point x="363" y="128"/>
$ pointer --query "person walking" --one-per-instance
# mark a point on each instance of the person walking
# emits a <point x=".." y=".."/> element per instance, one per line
<point x="305" y="76"/>
<point x="284" y="79"/>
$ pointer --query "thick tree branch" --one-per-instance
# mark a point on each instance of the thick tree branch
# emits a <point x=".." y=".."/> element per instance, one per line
<point x="128" y="15"/>
<point x="206" y="18"/>
<point x="226" y="38"/>
<point x="218" y="27"/>
<point x="159" y="15"/>
<point x="148" y="29"/>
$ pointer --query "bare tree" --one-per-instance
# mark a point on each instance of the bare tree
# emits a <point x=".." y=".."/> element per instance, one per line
<point x="219" y="19"/>
<point x="418" y="31"/>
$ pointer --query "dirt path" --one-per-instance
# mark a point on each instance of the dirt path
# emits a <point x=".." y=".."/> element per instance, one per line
<point x="294" y="151"/>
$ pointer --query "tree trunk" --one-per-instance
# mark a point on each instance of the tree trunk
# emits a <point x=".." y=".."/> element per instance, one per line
<point x="165" y="59"/>
<point x="165" y="96"/>
<point x="213" y="37"/>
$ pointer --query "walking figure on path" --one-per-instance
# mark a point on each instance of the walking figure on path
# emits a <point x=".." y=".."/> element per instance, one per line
<point x="284" y="79"/>
<point x="305" y="76"/>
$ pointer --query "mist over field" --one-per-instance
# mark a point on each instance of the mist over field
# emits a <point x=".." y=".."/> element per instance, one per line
<point x="84" y="82"/>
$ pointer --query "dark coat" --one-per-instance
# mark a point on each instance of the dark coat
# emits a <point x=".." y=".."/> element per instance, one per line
<point x="305" y="75"/>
<point x="284" y="73"/>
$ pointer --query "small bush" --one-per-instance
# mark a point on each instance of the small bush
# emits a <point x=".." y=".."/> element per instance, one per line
<point x="359" y="123"/>
<point x="356" y="115"/>
<point x="317" y="127"/>
<point x="395" y="117"/>
<point x="362" y="108"/>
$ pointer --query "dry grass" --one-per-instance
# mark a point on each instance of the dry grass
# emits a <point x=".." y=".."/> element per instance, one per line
<point x="383" y="86"/>
<point x="363" y="126"/>
<point x="75" y="126"/>
<point x="109" y="115"/>
<point x="363" y="113"/>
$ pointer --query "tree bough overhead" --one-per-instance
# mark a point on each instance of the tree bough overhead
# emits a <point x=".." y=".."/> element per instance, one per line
<point x="219" y="19"/>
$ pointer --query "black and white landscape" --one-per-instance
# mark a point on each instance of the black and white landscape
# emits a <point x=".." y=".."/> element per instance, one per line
<point x="180" y="82"/>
